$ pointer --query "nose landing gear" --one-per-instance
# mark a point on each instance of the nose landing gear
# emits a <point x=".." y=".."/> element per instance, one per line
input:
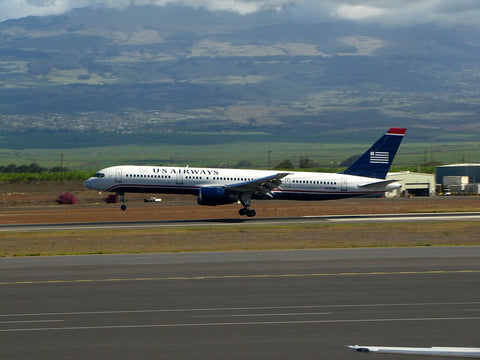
<point x="123" y="207"/>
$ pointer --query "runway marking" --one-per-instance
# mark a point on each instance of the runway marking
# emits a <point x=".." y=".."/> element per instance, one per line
<point x="29" y="321"/>
<point x="298" y="322"/>
<point x="312" y="220"/>
<point x="233" y="277"/>
<point x="250" y="308"/>
<point x="260" y="315"/>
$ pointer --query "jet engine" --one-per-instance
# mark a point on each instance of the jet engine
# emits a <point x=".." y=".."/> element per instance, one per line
<point x="212" y="196"/>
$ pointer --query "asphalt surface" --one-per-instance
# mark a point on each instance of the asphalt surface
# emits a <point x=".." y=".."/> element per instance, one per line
<point x="238" y="305"/>
<point x="243" y="221"/>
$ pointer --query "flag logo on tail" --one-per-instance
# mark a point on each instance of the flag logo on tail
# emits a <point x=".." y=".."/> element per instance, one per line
<point x="379" y="157"/>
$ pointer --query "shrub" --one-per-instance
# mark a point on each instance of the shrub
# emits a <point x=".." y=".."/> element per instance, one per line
<point x="67" y="198"/>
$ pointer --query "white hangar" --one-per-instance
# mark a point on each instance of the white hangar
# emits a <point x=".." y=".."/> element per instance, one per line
<point x="416" y="184"/>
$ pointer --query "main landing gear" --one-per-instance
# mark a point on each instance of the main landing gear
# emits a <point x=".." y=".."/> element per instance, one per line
<point x="245" y="200"/>
<point x="247" y="211"/>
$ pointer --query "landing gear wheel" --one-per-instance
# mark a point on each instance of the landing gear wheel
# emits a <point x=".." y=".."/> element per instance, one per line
<point x="122" y="200"/>
<point x="251" y="213"/>
<point x="245" y="200"/>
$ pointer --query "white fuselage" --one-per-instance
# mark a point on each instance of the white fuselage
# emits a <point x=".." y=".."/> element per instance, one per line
<point x="214" y="186"/>
<point x="186" y="180"/>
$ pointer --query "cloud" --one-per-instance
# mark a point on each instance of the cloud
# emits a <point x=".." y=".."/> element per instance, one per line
<point x="357" y="12"/>
<point x="389" y="13"/>
<point x="13" y="9"/>
<point x="392" y="12"/>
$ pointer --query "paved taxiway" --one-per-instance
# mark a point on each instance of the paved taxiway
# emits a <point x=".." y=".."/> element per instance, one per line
<point x="238" y="305"/>
<point x="242" y="221"/>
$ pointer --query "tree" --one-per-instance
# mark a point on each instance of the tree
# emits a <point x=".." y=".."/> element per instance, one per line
<point x="244" y="164"/>
<point x="305" y="163"/>
<point x="284" y="165"/>
<point x="9" y="168"/>
<point x="59" y="169"/>
<point x="349" y="161"/>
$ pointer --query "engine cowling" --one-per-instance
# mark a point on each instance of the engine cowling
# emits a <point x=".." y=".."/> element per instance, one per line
<point x="212" y="196"/>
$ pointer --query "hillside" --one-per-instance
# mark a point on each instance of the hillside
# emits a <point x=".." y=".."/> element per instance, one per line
<point x="173" y="69"/>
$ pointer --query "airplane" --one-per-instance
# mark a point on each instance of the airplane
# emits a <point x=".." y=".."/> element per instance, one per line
<point x="455" y="352"/>
<point x="218" y="186"/>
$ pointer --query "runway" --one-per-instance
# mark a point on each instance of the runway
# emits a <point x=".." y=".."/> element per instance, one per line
<point x="238" y="305"/>
<point x="242" y="221"/>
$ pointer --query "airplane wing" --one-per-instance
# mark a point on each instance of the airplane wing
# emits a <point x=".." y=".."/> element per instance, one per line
<point x="456" y="352"/>
<point x="261" y="186"/>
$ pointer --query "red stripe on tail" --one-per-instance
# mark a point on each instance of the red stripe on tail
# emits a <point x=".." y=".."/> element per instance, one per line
<point x="397" y="131"/>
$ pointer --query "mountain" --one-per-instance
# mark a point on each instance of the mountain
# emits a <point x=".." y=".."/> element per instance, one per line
<point x="151" y="69"/>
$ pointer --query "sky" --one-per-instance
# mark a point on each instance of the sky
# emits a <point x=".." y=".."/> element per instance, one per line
<point x="388" y="13"/>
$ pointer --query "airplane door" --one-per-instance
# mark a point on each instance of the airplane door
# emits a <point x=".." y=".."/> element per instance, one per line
<point x="286" y="183"/>
<point x="118" y="174"/>
<point x="344" y="184"/>
<point x="179" y="177"/>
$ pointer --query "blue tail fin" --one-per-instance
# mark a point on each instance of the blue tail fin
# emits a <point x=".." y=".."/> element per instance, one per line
<point x="376" y="161"/>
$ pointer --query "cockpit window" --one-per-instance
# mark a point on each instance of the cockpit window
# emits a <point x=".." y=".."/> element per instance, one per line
<point x="99" y="175"/>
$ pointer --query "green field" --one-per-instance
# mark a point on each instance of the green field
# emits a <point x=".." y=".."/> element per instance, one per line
<point x="85" y="152"/>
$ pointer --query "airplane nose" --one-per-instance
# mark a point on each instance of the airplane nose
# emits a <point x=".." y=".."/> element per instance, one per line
<point x="90" y="183"/>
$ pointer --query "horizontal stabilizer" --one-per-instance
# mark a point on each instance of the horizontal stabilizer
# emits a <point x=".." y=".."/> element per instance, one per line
<point x="378" y="184"/>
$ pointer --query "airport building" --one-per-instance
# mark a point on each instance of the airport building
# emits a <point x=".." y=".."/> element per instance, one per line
<point x="459" y="178"/>
<point x="413" y="184"/>
<point x="448" y="179"/>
